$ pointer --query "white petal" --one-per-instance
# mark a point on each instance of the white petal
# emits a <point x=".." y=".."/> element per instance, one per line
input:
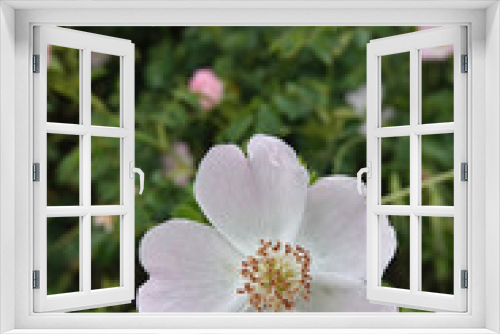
<point x="225" y="190"/>
<point x="158" y="295"/>
<point x="389" y="243"/>
<point x="281" y="184"/>
<point x="186" y="260"/>
<point x="334" y="228"/>
<point x="334" y="293"/>
<point x="261" y="197"/>
<point x="180" y="249"/>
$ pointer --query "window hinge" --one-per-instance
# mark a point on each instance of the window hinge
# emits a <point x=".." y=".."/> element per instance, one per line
<point x="36" y="63"/>
<point x="465" y="279"/>
<point x="36" y="279"/>
<point x="465" y="63"/>
<point x="464" y="172"/>
<point x="36" y="172"/>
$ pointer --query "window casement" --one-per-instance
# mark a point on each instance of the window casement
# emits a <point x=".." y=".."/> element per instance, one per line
<point x="378" y="135"/>
<point x="83" y="133"/>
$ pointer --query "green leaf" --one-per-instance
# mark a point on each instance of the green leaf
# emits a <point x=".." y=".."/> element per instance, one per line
<point x="268" y="121"/>
<point x="238" y="129"/>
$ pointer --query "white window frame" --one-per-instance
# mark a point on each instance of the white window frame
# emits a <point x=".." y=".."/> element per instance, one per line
<point x="85" y="43"/>
<point x="413" y="43"/>
<point x="16" y="21"/>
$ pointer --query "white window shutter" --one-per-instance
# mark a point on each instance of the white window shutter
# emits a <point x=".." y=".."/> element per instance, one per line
<point x="414" y="297"/>
<point x="86" y="297"/>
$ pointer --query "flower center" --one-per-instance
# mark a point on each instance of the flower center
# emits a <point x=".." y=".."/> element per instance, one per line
<point x="277" y="276"/>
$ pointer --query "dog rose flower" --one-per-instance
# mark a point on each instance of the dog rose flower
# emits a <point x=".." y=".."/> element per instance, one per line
<point x="275" y="244"/>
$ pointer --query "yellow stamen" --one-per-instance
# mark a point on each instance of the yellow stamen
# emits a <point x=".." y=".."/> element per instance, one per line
<point x="276" y="276"/>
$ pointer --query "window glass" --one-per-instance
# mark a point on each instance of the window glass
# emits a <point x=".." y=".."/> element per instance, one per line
<point x="63" y="89"/>
<point x="106" y="180"/>
<point x="63" y="170"/>
<point x="395" y="170"/>
<point x="437" y="254"/>
<point x="437" y="169"/>
<point x="395" y="94"/>
<point x="63" y="255"/>
<point x="105" y="89"/>
<point x="437" y="84"/>
<point x="105" y="250"/>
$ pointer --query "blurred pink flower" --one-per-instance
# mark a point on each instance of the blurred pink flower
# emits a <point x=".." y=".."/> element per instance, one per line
<point x="438" y="53"/>
<point x="98" y="59"/>
<point x="427" y="27"/>
<point x="357" y="99"/>
<point x="206" y="83"/>
<point x="178" y="164"/>
<point x="106" y="222"/>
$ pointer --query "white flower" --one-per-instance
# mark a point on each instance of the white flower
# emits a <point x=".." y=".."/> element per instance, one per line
<point x="357" y="99"/>
<point x="256" y="203"/>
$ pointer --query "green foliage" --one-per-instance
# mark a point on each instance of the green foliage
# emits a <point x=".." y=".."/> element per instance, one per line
<point x="289" y="82"/>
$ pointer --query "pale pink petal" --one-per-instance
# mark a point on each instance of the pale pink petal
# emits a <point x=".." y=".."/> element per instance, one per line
<point x="389" y="244"/>
<point x="334" y="293"/>
<point x="225" y="190"/>
<point x="261" y="197"/>
<point x="158" y="295"/>
<point x="184" y="250"/>
<point x="334" y="228"/>
<point x="191" y="268"/>
<point x="282" y="185"/>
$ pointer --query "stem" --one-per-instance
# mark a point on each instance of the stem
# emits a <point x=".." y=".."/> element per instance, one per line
<point x="162" y="139"/>
<point x="426" y="184"/>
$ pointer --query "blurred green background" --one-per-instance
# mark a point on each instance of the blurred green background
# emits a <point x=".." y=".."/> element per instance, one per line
<point x="305" y="85"/>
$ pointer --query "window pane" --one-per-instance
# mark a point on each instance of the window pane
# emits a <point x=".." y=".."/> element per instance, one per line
<point x="105" y="252"/>
<point x="397" y="273"/>
<point x="63" y="255"/>
<point x="105" y="171"/>
<point x="105" y="89"/>
<point x="63" y="84"/>
<point x="437" y="169"/>
<point x="395" y="169"/>
<point x="395" y="76"/>
<point x="437" y="254"/>
<point x="63" y="166"/>
<point x="437" y="84"/>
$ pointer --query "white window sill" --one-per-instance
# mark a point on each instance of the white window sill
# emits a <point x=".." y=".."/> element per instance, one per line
<point x="251" y="331"/>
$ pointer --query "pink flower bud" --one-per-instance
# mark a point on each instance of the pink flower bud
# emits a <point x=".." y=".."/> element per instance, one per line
<point x="206" y="83"/>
